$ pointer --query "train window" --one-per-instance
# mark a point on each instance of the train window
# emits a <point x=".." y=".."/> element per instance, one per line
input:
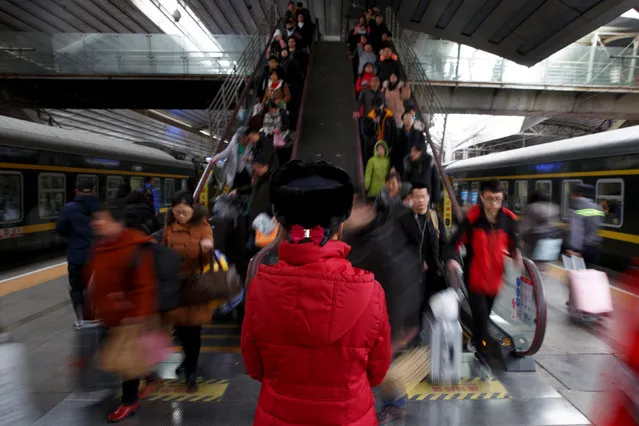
<point x="52" y="194"/>
<point x="157" y="185"/>
<point x="88" y="178"/>
<point x="463" y="193"/>
<point x="520" y="197"/>
<point x="113" y="186"/>
<point x="504" y="183"/>
<point x="169" y="191"/>
<point x="10" y="197"/>
<point x="544" y="186"/>
<point x="474" y="193"/>
<point x="183" y="186"/>
<point x="136" y="183"/>
<point x="567" y="188"/>
<point x="610" y="197"/>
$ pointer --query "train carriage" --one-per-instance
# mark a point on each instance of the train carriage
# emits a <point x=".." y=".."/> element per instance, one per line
<point x="40" y="166"/>
<point x="608" y="161"/>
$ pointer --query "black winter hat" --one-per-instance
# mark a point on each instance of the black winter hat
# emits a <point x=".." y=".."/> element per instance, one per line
<point x="311" y="194"/>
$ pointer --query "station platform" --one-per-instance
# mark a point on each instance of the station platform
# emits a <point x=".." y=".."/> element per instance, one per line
<point x="563" y="390"/>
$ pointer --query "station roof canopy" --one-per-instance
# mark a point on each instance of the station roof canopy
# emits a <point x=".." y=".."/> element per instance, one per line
<point x="523" y="31"/>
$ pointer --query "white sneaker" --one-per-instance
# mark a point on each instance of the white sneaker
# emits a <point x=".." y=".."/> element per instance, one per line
<point x="471" y="347"/>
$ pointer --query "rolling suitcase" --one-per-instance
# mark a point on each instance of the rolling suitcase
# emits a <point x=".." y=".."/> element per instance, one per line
<point x="89" y="336"/>
<point x="15" y="405"/>
<point x="589" y="288"/>
<point x="445" y="341"/>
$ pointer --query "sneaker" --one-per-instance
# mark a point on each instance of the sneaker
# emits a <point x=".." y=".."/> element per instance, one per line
<point x="390" y="413"/>
<point x="471" y="347"/>
<point x="481" y="362"/>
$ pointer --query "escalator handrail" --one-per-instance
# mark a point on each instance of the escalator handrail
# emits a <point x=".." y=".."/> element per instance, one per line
<point x="300" y="112"/>
<point x="230" y="129"/>
<point x="541" y="306"/>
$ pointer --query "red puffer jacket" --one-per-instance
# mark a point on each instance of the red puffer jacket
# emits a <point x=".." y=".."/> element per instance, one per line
<point x="316" y="335"/>
<point x="486" y="245"/>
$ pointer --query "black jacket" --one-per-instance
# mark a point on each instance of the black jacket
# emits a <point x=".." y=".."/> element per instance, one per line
<point x="260" y="196"/>
<point x="402" y="147"/>
<point x="264" y="148"/>
<point x="424" y="171"/>
<point x="74" y="224"/>
<point x="383" y="249"/>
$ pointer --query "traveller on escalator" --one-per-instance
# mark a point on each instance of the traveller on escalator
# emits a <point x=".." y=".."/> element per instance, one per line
<point x="586" y="218"/>
<point x="290" y="11"/>
<point x="74" y="224"/>
<point x="277" y="45"/>
<point x="377" y="169"/>
<point x="276" y="90"/>
<point x="262" y="144"/>
<point x="118" y="295"/>
<point x="387" y="64"/>
<point x="237" y="155"/>
<point x="305" y="29"/>
<point x="488" y="231"/>
<point x="364" y="79"/>
<point x="389" y="195"/>
<point x="377" y="28"/>
<point x="291" y="32"/>
<point x="379" y="125"/>
<point x="301" y="10"/>
<point x="408" y="137"/>
<point x="188" y="233"/>
<point x="316" y="332"/>
<point x="275" y="120"/>
<point x="366" y="98"/>
<point x="396" y="92"/>
<point x="539" y="229"/>
<point x="273" y="64"/>
<point x="365" y="55"/>
<point x="354" y="36"/>
<point x="424" y="229"/>
<point x="419" y="167"/>
<point x="260" y="191"/>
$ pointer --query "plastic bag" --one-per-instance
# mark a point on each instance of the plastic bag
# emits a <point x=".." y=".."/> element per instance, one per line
<point x="264" y="223"/>
<point x="445" y="305"/>
<point x="227" y="207"/>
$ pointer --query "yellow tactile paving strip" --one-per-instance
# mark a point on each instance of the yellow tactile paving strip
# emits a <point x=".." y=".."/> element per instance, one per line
<point x="28" y="280"/>
<point x="471" y="388"/>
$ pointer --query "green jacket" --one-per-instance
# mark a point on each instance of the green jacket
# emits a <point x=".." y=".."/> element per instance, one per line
<point x="377" y="169"/>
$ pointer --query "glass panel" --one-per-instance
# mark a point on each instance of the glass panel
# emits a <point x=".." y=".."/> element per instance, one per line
<point x="113" y="186"/>
<point x="10" y="197"/>
<point x="51" y="194"/>
<point x="506" y="194"/>
<point x="169" y="191"/>
<point x="610" y="193"/>
<point x="89" y="178"/>
<point x="567" y="187"/>
<point x="515" y="308"/>
<point x="544" y="186"/>
<point x="474" y="193"/>
<point x="520" y="198"/>
<point x="136" y="183"/>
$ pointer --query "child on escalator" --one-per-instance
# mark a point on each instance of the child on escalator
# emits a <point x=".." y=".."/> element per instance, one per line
<point x="377" y="169"/>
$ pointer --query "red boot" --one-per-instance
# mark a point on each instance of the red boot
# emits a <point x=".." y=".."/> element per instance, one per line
<point x="123" y="412"/>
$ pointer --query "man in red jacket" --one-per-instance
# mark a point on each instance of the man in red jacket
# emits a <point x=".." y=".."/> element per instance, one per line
<point x="489" y="232"/>
<point x="316" y="332"/>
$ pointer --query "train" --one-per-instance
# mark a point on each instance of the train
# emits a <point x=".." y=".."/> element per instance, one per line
<point x="41" y="165"/>
<point x="609" y="161"/>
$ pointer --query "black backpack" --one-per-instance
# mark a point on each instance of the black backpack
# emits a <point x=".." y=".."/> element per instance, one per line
<point x="167" y="272"/>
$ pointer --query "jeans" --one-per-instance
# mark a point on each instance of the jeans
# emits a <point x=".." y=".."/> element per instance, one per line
<point x="398" y="402"/>
<point x="480" y="306"/>
<point x="191" y="339"/>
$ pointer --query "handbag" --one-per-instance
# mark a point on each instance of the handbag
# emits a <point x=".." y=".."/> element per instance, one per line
<point x="155" y="346"/>
<point x="211" y="283"/>
<point x="122" y="353"/>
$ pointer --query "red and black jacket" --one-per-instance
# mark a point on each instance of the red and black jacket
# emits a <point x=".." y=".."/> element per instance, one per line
<point x="486" y="245"/>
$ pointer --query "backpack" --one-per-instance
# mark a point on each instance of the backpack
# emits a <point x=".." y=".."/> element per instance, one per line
<point x="167" y="271"/>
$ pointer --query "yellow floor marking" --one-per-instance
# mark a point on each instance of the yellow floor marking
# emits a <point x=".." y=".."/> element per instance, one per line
<point x="28" y="280"/>
<point x="470" y="388"/>
<point x="175" y="390"/>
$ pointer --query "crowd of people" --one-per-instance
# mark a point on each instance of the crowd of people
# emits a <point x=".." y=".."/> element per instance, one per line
<point x="323" y="324"/>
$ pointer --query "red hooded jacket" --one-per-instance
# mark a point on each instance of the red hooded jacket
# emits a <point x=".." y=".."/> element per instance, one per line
<point x="316" y="335"/>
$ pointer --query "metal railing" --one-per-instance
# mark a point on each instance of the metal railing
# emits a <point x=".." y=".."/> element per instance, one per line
<point x="117" y="54"/>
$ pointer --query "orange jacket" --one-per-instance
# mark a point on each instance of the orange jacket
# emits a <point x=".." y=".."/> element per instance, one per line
<point x="115" y="292"/>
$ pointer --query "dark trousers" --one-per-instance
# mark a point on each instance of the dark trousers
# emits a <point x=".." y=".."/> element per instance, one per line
<point x="191" y="339"/>
<point x="480" y="306"/>
<point x="591" y="256"/>
<point x="130" y="391"/>
<point x="76" y="286"/>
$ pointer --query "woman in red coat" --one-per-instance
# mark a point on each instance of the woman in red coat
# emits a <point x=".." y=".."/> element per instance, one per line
<point x="117" y="294"/>
<point x="316" y="331"/>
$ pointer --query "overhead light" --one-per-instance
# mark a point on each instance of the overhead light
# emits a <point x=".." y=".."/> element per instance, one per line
<point x="169" y="117"/>
<point x="205" y="132"/>
<point x="224" y="63"/>
<point x="208" y="159"/>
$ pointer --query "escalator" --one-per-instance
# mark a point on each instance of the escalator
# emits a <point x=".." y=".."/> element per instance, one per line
<point x="517" y="325"/>
<point x="327" y="129"/>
